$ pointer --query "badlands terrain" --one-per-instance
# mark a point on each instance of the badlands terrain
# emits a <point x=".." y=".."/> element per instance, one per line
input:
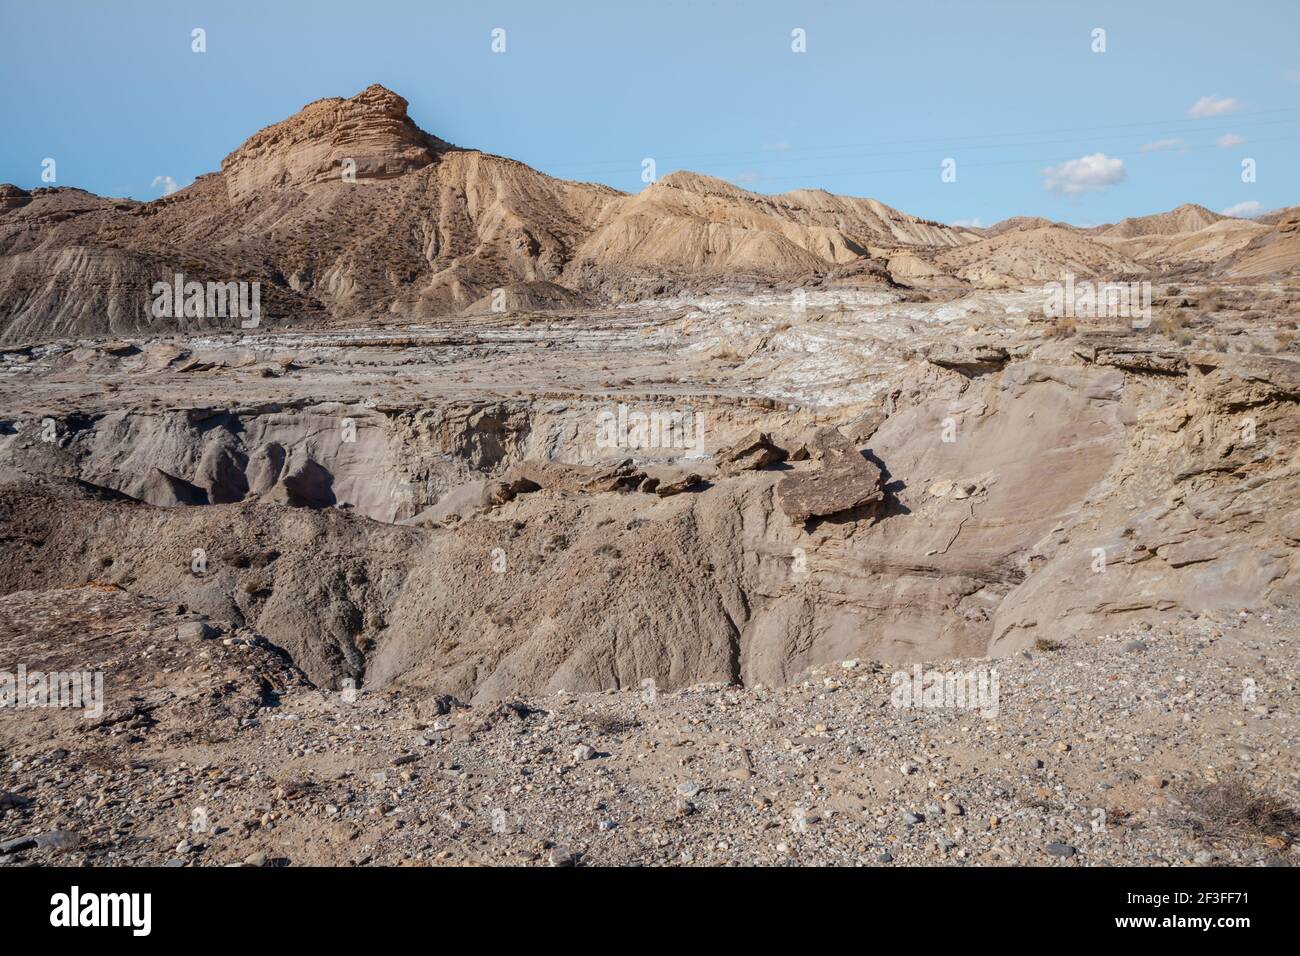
<point x="533" y="522"/>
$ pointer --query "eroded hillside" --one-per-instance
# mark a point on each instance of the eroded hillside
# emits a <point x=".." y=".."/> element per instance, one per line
<point x="871" y="477"/>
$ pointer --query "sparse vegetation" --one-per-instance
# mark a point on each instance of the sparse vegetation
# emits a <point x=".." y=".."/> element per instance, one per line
<point x="1232" y="808"/>
<point x="1063" y="328"/>
<point x="610" y="725"/>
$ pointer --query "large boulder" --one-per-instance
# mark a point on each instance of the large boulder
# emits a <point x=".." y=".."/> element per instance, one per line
<point x="842" y="480"/>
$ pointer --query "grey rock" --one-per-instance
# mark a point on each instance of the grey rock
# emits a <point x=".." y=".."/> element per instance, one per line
<point x="196" y="631"/>
<point x="561" y="857"/>
<point x="63" y="840"/>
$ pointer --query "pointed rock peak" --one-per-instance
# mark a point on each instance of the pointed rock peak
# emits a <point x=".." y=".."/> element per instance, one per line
<point x="381" y="97"/>
<point x="334" y="140"/>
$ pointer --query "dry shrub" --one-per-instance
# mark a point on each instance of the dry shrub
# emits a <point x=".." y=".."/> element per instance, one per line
<point x="609" y="725"/>
<point x="1232" y="808"/>
<point x="1175" y="325"/>
<point x="1047" y="644"/>
<point x="1063" y="328"/>
<point x="726" y="352"/>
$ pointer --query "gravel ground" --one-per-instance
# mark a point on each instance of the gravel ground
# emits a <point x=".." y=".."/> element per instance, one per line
<point x="1168" y="744"/>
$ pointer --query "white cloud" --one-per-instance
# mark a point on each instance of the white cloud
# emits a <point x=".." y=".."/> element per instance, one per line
<point x="167" y="183"/>
<point x="975" y="223"/>
<point x="747" y="179"/>
<point x="1213" y="106"/>
<point x="1162" y="144"/>
<point x="1229" y="140"/>
<point x="1244" y="209"/>
<point x="1086" y="174"/>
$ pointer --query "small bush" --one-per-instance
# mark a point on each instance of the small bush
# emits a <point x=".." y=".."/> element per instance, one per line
<point x="1063" y="328"/>
<point x="608" y="725"/>
<point x="1232" y="808"/>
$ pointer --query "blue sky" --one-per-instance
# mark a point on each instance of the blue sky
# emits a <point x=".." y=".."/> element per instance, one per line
<point x="585" y="90"/>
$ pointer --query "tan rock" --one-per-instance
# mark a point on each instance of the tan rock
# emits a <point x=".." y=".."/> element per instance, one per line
<point x="755" y="450"/>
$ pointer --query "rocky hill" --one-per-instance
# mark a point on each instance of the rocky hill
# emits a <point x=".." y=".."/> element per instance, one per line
<point x="347" y="211"/>
<point x="1188" y="217"/>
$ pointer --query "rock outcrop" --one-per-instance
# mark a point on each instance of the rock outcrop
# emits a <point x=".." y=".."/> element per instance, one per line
<point x="365" y="138"/>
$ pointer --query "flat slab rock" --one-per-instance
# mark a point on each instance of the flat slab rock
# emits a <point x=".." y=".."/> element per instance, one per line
<point x="754" y="450"/>
<point x="843" y="480"/>
<point x="624" y="476"/>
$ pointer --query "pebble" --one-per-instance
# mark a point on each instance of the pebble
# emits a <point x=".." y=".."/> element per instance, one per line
<point x="561" y="857"/>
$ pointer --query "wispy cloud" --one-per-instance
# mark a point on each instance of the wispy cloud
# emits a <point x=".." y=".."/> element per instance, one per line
<point x="975" y="223"/>
<point x="747" y="179"/>
<point x="1214" y="106"/>
<point x="1091" y="173"/>
<point x="1229" y="140"/>
<point x="1163" y="144"/>
<point x="167" y="183"/>
<point x="1244" y="210"/>
<point x="777" y="147"/>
